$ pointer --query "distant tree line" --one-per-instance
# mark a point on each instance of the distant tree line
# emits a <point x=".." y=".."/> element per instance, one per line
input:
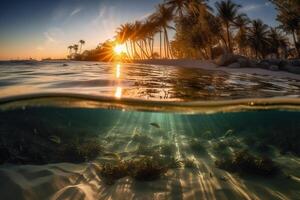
<point x="204" y="32"/>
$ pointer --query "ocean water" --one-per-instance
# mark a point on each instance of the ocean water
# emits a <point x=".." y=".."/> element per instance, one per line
<point x="81" y="130"/>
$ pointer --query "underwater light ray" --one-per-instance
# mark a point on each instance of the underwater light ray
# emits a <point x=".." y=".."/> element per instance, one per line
<point x="116" y="125"/>
<point x="189" y="126"/>
<point x="133" y="127"/>
<point x="175" y="126"/>
<point x="203" y="188"/>
<point x="240" y="188"/>
<point x="207" y="186"/>
<point x="276" y="194"/>
<point x="212" y="186"/>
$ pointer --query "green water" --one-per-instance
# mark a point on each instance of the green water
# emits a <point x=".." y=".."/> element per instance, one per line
<point x="237" y="155"/>
<point x="25" y="128"/>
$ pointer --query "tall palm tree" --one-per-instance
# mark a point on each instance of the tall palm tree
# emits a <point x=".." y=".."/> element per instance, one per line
<point x="290" y="23"/>
<point x="164" y="15"/>
<point x="241" y="24"/>
<point x="227" y="11"/>
<point x="124" y="33"/>
<point x="258" y="37"/>
<point x="81" y="42"/>
<point x="289" y="17"/>
<point x="277" y="41"/>
<point x="70" y="49"/>
<point x="178" y="6"/>
<point x="197" y="7"/>
<point x="75" y="47"/>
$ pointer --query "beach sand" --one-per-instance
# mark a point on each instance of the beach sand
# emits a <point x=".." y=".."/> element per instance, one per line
<point x="209" y="65"/>
<point x="82" y="181"/>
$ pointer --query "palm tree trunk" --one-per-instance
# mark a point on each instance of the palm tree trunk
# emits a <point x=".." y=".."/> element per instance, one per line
<point x="228" y="37"/>
<point x="152" y="46"/>
<point x="128" y="53"/>
<point x="160" y="43"/>
<point x="142" y="50"/>
<point x="295" y="43"/>
<point x="256" y="53"/>
<point x="167" y="42"/>
<point x="135" y="51"/>
<point x="165" y="45"/>
<point x="131" y="48"/>
<point x="146" y="44"/>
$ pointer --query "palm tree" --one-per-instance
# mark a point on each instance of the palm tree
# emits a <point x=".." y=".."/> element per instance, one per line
<point x="227" y="11"/>
<point x="258" y="37"/>
<point x="197" y="7"/>
<point x="164" y="15"/>
<point x="177" y="6"/>
<point x="289" y="18"/>
<point x="75" y="47"/>
<point x="290" y="23"/>
<point x="241" y="24"/>
<point x="124" y="33"/>
<point x="277" y="41"/>
<point x="70" y="49"/>
<point x="81" y="42"/>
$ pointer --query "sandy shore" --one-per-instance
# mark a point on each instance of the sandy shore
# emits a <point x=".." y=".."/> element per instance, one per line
<point x="209" y="65"/>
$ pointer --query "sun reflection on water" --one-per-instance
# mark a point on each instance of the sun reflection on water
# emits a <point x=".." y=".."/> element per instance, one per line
<point x="118" y="92"/>
<point x="118" y="70"/>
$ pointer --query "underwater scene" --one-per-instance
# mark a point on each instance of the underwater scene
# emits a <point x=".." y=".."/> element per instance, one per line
<point x="85" y="152"/>
<point x="90" y="130"/>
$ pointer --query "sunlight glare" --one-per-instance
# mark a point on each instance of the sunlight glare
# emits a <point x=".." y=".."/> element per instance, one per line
<point x="118" y="93"/>
<point x="119" y="49"/>
<point x="118" y="71"/>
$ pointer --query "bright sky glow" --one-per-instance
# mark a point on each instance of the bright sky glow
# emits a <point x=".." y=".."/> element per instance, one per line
<point x="45" y="28"/>
<point x="119" y="49"/>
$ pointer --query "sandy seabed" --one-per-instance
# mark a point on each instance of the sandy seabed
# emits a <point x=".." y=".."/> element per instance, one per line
<point x="205" y="181"/>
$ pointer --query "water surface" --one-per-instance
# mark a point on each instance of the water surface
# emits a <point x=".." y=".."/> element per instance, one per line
<point x="139" y="81"/>
<point x="87" y="130"/>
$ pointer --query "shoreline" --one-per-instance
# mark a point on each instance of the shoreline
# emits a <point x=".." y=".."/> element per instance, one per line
<point x="209" y="65"/>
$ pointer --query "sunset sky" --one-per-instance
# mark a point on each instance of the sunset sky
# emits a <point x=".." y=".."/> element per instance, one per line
<point x="45" y="28"/>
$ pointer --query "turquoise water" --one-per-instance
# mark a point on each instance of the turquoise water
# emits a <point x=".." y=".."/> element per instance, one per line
<point x="84" y="150"/>
<point x="103" y="131"/>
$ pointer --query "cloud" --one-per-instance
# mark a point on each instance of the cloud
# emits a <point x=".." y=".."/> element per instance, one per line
<point x="267" y="4"/>
<point x="145" y="16"/>
<point x="75" y="11"/>
<point x="253" y="7"/>
<point x="48" y="37"/>
<point x="40" y="48"/>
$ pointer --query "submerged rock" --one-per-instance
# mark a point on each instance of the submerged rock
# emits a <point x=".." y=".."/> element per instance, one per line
<point x="292" y="69"/>
<point x="273" y="68"/>
<point x="245" y="163"/>
<point x="234" y="65"/>
<point x="227" y="59"/>
<point x="143" y="169"/>
<point x="148" y="169"/>
<point x="190" y="163"/>
<point x="197" y="146"/>
<point x="229" y="133"/>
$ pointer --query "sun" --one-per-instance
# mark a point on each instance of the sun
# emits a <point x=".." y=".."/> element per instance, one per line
<point x="119" y="49"/>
